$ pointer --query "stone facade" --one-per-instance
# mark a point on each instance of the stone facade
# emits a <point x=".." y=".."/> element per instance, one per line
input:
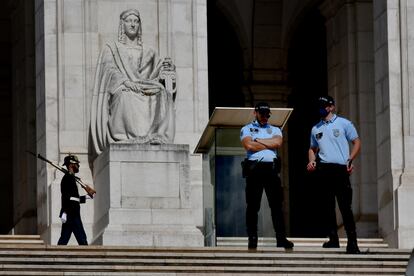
<point x="393" y="42"/>
<point x="70" y="35"/>
<point x="369" y="71"/>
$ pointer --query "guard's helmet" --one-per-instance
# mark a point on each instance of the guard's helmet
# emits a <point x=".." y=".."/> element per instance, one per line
<point x="70" y="159"/>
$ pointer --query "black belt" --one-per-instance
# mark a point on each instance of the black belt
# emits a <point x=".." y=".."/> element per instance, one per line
<point x="331" y="165"/>
<point x="248" y="166"/>
<point x="260" y="163"/>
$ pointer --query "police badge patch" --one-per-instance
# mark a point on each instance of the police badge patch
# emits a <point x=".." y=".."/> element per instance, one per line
<point x="336" y="132"/>
<point x="319" y="135"/>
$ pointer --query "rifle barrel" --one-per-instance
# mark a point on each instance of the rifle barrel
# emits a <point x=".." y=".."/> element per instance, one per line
<point x="77" y="178"/>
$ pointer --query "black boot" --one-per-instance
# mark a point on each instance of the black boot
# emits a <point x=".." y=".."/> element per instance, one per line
<point x="252" y="242"/>
<point x="333" y="241"/>
<point x="352" y="248"/>
<point x="283" y="242"/>
<point x="352" y="244"/>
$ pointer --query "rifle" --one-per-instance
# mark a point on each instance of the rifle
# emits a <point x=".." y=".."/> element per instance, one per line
<point x="91" y="191"/>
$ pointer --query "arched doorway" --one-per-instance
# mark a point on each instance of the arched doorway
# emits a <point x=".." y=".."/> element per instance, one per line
<point x="18" y="208"/>
<point x="225" y="61"/>
<point x="307" y="67"/>
<point x="225" y="71"/>
<point x="6" y="176"/>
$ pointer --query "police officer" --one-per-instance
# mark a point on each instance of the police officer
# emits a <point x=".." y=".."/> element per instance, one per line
<point x="261" y="140"/>
<point x="70" y="211"/>
<point x="331" y="158"/>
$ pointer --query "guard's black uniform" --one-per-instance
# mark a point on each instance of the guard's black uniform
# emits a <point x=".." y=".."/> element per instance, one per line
<point x="71" y="206"/>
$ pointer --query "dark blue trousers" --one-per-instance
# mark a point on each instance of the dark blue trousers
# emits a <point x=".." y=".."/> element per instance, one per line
<point x="73" y="224"/>
<point x="334" y="179"/>
<point x="264" y="177"/>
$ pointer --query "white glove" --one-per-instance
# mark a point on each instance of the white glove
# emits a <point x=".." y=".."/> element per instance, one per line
<point x="63" y="217"/>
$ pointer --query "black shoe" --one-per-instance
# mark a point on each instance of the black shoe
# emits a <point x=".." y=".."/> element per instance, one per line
<point x="252" y="243"/>
<point x="352" y="248"/>
<point x="284" y="243"/>
<point x="331" y="244"/>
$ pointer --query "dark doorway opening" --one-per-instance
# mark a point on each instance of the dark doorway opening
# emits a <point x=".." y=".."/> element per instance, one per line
<point x="18" y="196"/>
<point x="307" y="66"/>
<point x="6" y="160"/>
<point x="225" y="61"/>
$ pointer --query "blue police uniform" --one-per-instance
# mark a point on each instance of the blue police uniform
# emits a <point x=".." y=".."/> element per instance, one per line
<point x="256" y="131"/>
<point x="263" y="175"/>
<point x="332" y="139"/>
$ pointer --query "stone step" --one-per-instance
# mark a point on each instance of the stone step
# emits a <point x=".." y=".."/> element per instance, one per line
<point x="202" y="269"/>
<point x="311" y="242"/>
<point x="298" y="253"/>
<point x="199" y="252"/>
<point x="80" y="273"/>
<point x="199" y="260"/>
<point x="40" y="259"/>
<point x="68" y="260"/>
<point x="20" y="239"/>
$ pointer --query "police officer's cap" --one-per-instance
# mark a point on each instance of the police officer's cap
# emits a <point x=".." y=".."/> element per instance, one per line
<point x="70" y="159"/>
<point x="262" y="107"/>
<point x="326" y="101"/>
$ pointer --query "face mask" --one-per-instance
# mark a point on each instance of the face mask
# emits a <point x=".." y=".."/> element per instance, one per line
<point x="323" y="112"/>
<point x="265" y="114"/>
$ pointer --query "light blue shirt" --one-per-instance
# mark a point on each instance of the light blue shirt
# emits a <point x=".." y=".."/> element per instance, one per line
<point x="332" y="138"/>
<point x="255" y="130"/>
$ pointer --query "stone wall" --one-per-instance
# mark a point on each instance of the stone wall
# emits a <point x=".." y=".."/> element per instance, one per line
<point x="393" y="75"/>
<point x="69" y="37"/>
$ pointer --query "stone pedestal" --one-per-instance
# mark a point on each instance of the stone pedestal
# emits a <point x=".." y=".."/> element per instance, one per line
<point x="144" y="196"/>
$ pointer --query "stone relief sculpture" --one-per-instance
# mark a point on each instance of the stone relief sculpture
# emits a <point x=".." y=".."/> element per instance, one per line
<point x="134" y="91"/>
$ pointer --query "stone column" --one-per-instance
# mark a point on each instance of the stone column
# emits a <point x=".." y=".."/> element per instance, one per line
<point x="394" y="94"/>
<point x="351" y="82"/>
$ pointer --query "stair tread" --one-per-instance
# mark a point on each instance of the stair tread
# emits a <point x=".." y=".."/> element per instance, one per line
<point x="100" y="267"/>
<point x="28" y="255"/>
<point x="215" y="273"/>
<point x="182" y="261"/>
<point x="295" y="253"/>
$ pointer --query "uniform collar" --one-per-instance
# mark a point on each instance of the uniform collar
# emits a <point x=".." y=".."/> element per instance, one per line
<point x="331" y="120"/>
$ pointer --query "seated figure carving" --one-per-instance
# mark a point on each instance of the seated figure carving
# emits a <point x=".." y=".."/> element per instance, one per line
<point x="134" y="91"/>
